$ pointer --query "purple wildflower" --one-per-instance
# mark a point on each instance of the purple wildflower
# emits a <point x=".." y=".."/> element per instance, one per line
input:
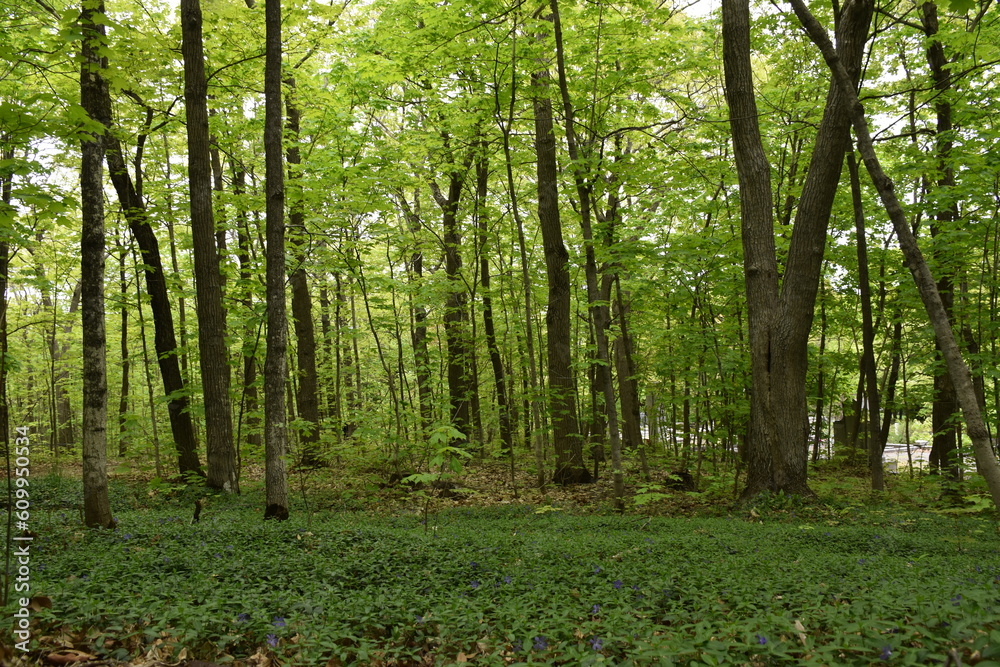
<point x="886" y="653"/>
<point x="597" y="643"/>
<point x="539" y="643"/>
<point x="272" y="640"/>
<point x="617" y="584"/>
<point x="761" y="639"/>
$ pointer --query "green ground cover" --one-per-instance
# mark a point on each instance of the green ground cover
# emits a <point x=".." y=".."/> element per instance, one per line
<point x="515" y="584"/>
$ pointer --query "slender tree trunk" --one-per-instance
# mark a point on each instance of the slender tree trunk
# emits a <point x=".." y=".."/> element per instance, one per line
<point x="455" y="312"/>
<point x="150" y="399"/>
<point x="868" y="370"/>
<point x="307" y="394"/>
<point x="499" y="376"/>
<point x="214" y="358"/>
<point x="986" y="461"/>
<point x="275" y="363"/>
<point x="570" y="466"/>
<point x="533" y="407"/>
<point x="6" y="193"/>
<point x="820" y="373"/>
<point x="96" y="506"/>
<point x="251" y="331"/>
<point x="164" y="342"/>
<point x="418" y="314"/>
<point x="125" y="358"/>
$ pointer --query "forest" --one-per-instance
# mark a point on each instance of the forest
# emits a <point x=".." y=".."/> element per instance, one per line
<point x="577" y="266"/>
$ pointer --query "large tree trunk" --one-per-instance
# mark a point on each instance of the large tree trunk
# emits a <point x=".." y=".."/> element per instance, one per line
<point x="570" y="467"/>
<point x="961" y="377"/>
<point x="96" y="506"/>
<point x="780" y="320"/>
<point x="214" y="357"/>
<point x="275" y="363"/>
<point x="307" y="391"/>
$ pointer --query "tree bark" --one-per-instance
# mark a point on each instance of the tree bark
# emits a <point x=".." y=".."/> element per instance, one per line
<point x="868" y="370"/>
<point x="96" y="506"/>
<point x="126" y="361"/>
<point x="499" y="376"/>
<point x="214" y="357"/>
<point x="780" y="320"/>
<point x="164" y="341"/>
<point x="275" y="363"/>
<point x="251" y="332"/>
<point x="570" y="466"/>
<point x="307" y="391"/>
<point x="455" y="313"/>
<point x="961" y="377"/>
<point x="597" y="301"/>
<point x="944" y="410"/>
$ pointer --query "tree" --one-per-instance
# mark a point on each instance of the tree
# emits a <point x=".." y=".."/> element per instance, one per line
<point x="214" y="358"/>
<point x="961" y="377"/>
<point x="568" y="443"/>
<point x="780" y="310"/>
<point x="164" y="340"/>
<point x="275" y="363"/>
<point x="306" y="398"/>
<point x="96" y="506"/>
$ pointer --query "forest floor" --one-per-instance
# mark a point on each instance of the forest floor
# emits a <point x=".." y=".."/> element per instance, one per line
<point x="371" y="573"/>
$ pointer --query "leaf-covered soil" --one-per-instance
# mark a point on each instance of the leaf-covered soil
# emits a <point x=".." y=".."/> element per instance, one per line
<point x="366" y="574"/>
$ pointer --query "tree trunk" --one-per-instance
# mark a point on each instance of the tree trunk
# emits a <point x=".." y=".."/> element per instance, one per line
<point x="533" y="410"/>
<point x="6" y="193"/>
<point x="596" y="298"/>
<point x="251" y="331"/>
<point x="275" y="363"/>
<point x="418" y="335"/>
<point x="214" y="357"/>
<point x="307" y="394"/>
<point x="986" y="461"/>
<point x="164" y="341"/>
<point x="868" y="370"/>
<point x="780" y="320"/>
<point x="499" y="376"/>
<point x="944" y="411"/>
<point x="125" y="358"/>
<point x="455" y="315"/>
<point x="570" y="467"/>
<point x="96" y="506"/>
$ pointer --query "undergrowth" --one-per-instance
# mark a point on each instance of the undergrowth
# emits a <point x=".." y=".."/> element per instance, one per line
<point x="514" y="584"/>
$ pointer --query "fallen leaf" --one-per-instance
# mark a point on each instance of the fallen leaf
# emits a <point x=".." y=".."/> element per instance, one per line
<point x="801" y="630"/>
<point x="68" y="657"/>
<point x="40" y="602"/>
